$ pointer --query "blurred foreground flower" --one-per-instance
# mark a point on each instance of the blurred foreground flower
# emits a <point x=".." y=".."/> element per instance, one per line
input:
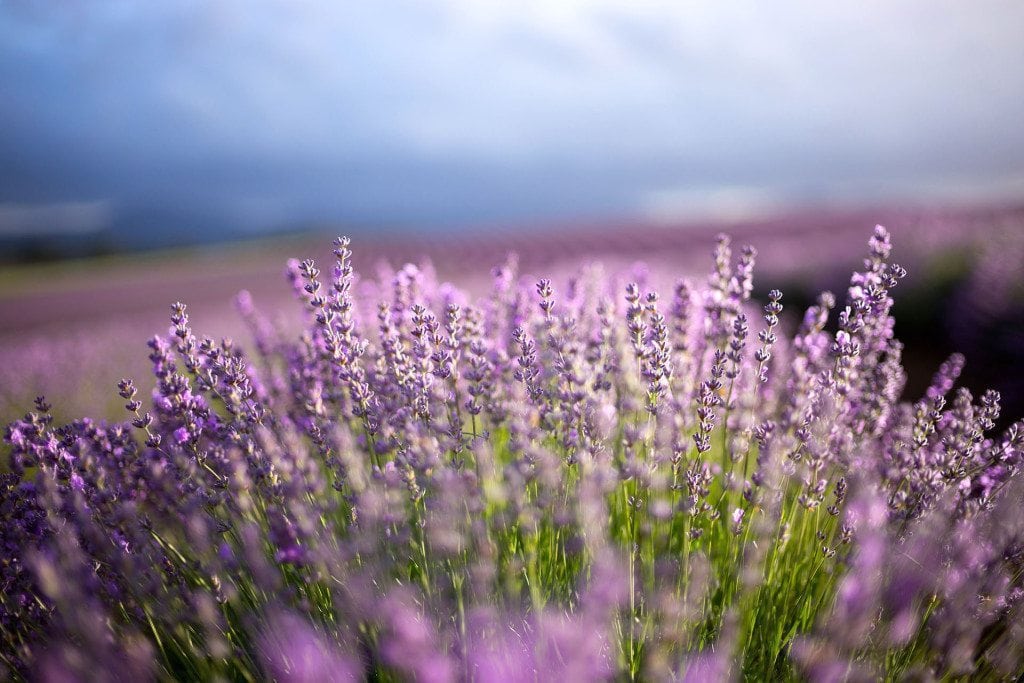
<point x="570" y="479"/>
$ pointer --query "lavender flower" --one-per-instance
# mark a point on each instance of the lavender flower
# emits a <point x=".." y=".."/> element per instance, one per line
<point x="413" y="485"/>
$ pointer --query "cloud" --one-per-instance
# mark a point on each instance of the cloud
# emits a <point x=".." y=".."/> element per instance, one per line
<point x="263" y="109"/>
<point x="714" y="203"/>
<point x="65" y="218"/>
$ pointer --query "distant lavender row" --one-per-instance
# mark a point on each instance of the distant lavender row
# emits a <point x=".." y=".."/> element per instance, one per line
<point x="81" y="330"/>
<point x="574" y="480"/>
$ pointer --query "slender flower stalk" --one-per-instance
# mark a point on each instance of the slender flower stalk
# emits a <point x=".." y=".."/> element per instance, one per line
<point x="543" y="484"/>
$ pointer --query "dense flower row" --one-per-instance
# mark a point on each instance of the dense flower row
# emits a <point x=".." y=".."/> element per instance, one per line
<point x="579" y="480"/>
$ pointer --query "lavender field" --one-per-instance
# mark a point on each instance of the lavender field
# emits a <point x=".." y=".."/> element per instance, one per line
<point x="646" y="455"/>
<point x="447" y="341"/>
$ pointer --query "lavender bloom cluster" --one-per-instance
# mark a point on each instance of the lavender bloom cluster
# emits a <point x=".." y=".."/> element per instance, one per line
<point x="569" y="481"/>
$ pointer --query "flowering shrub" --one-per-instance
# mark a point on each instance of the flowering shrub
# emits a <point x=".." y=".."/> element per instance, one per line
<point x="578" y="482"/>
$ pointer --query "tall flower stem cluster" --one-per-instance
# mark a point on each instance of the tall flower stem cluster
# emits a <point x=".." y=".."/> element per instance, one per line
<point x="569" y="479"/>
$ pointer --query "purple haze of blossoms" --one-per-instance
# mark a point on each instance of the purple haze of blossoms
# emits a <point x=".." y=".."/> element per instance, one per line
<point x="566" y="479"/>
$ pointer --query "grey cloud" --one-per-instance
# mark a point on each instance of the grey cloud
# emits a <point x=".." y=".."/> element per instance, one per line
<point x="450" y="111"/>
<point x="67" y="218"/>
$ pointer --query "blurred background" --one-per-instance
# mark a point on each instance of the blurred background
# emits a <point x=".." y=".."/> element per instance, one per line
<point x="184" y="150"/>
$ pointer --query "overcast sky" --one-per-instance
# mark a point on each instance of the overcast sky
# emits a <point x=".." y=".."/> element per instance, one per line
<point x="252" y="114"/>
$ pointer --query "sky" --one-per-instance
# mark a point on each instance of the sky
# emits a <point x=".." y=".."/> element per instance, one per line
<point x="242" y="116"/>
